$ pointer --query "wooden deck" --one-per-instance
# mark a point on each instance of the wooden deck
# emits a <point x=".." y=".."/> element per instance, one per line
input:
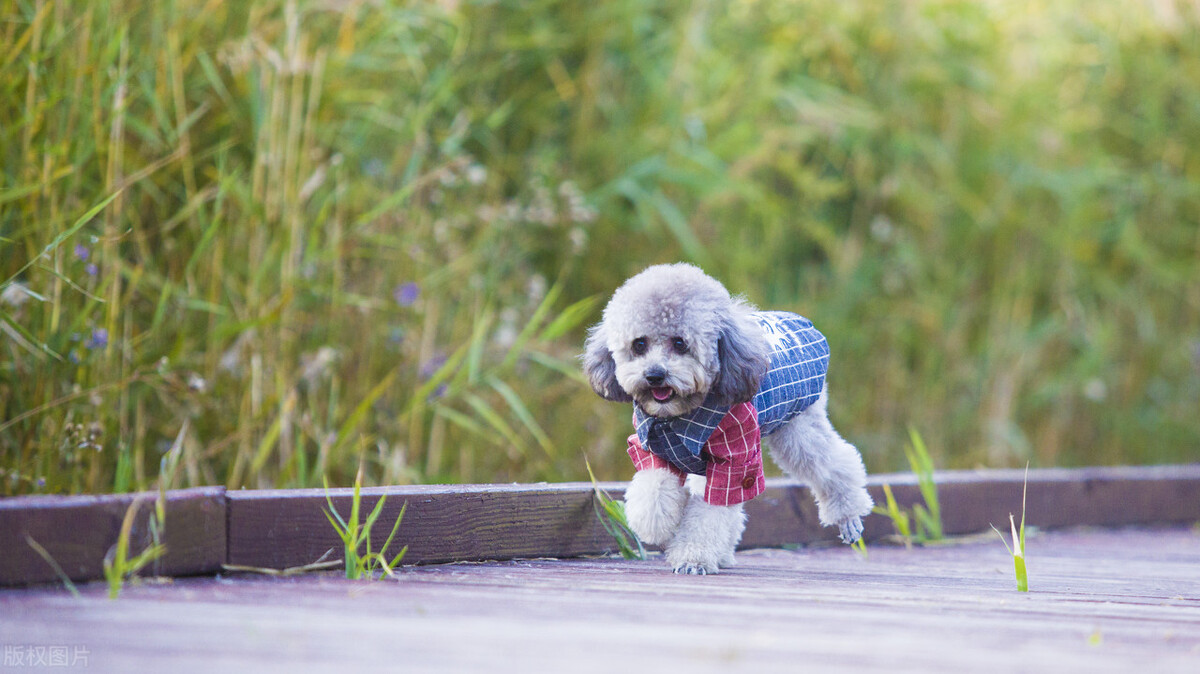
<point x="1102" y="600"/>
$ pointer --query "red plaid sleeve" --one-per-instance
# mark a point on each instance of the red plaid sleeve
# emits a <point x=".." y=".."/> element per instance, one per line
<point x="735" y="468"/>
<point x="644" y="459"/>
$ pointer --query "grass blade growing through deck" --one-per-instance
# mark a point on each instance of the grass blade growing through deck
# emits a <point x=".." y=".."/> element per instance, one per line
<point x="900" y="519"/>
<point x="355" y="534"/>
<point x="1018" y="535"/>
<point x="1019" y="554"/>
<point x="612" y="516"/>
<point x="118" y="565"/>
<point x="929" y="516"/>
<point x="58" y="571"/>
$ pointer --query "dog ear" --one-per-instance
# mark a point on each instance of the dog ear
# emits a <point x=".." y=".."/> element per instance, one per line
<point x="600" y="368"/>
<point x="743" y="354"/>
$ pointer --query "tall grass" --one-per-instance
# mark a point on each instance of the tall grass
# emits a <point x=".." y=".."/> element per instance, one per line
<point x="305" y="228"/>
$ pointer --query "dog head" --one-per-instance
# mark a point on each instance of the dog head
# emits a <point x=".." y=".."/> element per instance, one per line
<point x="669" y="337"/>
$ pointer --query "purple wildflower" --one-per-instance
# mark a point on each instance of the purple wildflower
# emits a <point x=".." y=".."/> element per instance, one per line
<point x="81" y="252"/>
<point x="431" y="366"/>
<point x="99" y="339"/>
<point x="91" y="269"/>
<point x="407" y="294"/>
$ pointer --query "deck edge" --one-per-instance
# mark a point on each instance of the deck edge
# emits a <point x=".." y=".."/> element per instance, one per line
<point x="209" y="526"/>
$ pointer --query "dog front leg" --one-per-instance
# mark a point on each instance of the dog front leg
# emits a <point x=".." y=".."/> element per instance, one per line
<point x="707" y="535"/>
<point x="654" y="504"/>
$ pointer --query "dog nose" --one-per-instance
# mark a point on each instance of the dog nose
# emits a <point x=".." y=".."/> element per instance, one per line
<point x="655" y="376"/>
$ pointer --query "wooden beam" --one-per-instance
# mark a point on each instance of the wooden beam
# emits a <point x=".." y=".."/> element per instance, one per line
<point x="973" y="501"/>
<point x="278" y="529"/>
<point x="77" y="531"/>
<point x="449" y="523"/>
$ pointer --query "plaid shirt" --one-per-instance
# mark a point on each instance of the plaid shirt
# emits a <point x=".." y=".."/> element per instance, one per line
<point x="723" y="443"/>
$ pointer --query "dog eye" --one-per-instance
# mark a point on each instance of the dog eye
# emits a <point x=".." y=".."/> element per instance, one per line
<point x="639" y="346"/>
<point x="680" y="346"/>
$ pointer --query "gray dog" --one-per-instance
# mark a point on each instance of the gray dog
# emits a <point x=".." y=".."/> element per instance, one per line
<point x="708" y="377"/>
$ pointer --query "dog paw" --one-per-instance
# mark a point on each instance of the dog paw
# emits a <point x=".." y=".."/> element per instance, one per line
<point x="696" y="569"/>
<point x="850" y="529"/>
<point x="693" y="561"/>
<point x="707" y="537"/>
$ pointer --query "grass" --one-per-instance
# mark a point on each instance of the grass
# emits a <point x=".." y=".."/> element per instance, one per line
<point x="611" y="514"/>
<point x="356" y="535"/>
<point x="860" y="547"/>
<point x="120" y="563"/>
<point x="901" y="520"/>
<point x="927" y="516"/>
<point x="322" y="564"/>
<point x="58" y="571"/>
<point x="280" y="231"/>
<point x="1017" y="550"/>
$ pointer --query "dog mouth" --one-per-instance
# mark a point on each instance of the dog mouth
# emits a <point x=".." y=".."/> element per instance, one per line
<point x="667" y="401"/>
<point x="662" y="394"/>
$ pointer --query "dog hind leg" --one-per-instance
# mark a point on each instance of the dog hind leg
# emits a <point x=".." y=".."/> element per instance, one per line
<point x="811" y="451"/>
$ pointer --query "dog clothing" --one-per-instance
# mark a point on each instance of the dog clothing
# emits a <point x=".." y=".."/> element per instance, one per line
<point x="723" y="442"/>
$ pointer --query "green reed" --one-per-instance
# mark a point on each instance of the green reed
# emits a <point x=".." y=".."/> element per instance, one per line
<point x="300" y="228"/>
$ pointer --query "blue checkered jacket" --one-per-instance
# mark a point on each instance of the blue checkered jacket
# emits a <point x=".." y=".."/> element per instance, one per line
<point x="794" y="381"/>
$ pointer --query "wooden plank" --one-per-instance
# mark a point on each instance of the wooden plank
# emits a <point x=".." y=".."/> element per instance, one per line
<point x="973" y="501"/>
<point x="77" y="531"/>
<point x="1101" y="601"/>
<point x="279" y="529"/>
<point x="1097" y="496"/>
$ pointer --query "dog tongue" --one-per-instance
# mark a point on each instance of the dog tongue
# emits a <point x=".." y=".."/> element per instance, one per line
<point x="661" y="393"/>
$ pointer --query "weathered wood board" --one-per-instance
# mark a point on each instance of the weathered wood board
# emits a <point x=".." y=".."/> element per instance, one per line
<point x="280" y="529"/>
<point x="463" y="523"/>
<point x="1102" y="601"/>
<point x="77" y="531"/>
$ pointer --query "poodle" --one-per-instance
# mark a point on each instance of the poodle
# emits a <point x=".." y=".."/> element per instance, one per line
<point x="708" y="376"/>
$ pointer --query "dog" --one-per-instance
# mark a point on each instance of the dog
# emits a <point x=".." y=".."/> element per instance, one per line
<point x="709" y="376"/>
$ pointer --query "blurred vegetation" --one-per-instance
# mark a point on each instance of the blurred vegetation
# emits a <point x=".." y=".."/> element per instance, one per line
<point x="279" y="239"/>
